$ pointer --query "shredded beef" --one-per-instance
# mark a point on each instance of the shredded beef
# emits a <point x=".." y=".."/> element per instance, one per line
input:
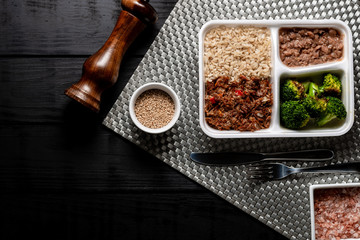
<point x="243" y="105"/>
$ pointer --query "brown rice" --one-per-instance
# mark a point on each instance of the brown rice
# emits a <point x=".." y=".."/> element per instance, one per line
<point x="235" y="51"/>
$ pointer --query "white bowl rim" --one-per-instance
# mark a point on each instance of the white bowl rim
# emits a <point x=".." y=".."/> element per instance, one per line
<point x="159" y="86"/>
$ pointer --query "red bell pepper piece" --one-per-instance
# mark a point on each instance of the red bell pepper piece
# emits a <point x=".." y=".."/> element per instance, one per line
<point x="239" y="92"/>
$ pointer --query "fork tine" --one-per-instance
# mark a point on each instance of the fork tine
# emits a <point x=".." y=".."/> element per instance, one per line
<point x="260" y="177"/>
<point x="260" y="171"/>
<point x="260" y="168"/>
<point x="263" y="164"/>
<point x="265" y="172"/>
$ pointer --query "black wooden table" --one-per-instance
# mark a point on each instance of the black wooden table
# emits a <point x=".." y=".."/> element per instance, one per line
<point x="65" y="176"/>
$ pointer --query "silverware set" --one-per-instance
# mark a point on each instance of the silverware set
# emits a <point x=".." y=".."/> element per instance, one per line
<point x="260" y="166"/>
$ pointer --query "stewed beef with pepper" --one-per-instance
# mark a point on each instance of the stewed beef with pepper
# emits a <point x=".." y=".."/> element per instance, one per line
<point x="243" y="105"/>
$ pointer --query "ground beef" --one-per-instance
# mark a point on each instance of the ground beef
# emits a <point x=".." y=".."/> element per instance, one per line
<point x="243" y="105"/>
<point x="308" y="46"/>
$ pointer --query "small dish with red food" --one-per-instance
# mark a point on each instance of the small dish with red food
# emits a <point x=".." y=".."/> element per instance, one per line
<point x="335" y="211"/>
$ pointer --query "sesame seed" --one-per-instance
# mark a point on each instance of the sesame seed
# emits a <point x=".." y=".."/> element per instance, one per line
<point x="154" y="108"/>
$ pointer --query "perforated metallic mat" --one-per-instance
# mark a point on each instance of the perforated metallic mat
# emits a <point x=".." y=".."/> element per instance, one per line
<point x="173" y="60"/>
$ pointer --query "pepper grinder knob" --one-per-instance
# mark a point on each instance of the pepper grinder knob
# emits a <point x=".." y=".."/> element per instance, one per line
<point x="100" y="71"/>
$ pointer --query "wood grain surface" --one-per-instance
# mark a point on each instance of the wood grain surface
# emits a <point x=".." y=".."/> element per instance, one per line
<point x="65" y="176"/>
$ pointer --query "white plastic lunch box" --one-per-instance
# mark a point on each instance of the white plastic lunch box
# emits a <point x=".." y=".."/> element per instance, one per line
<point x="344" y="68"/>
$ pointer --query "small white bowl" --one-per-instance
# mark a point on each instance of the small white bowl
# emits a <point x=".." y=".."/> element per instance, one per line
<point x="324" y="186"/>
<point x="159" y="86"/>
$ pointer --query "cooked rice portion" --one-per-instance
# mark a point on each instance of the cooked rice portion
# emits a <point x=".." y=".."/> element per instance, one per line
<point x="235" y="51"/>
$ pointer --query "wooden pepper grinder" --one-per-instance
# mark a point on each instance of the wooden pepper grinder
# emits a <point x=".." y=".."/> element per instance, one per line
<point x="100" y="71"/>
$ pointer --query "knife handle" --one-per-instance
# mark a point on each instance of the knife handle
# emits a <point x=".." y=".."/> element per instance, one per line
<point x="305" y="155"/>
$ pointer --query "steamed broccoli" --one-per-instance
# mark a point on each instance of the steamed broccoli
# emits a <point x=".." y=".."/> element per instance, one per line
<point x="335" y="109"/>
<point x="315" y="106"/>
<point x="331" y="86"/>
<point x="313" y="90"/>
<point x="294" y="115"/>
<point x="292" y="90"/>
<point x="306" y="86"/>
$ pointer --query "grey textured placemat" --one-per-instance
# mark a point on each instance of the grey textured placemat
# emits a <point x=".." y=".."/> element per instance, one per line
<point x="173" y="60"/>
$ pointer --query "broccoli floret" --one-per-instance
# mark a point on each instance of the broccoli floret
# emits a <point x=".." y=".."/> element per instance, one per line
<point x="315" y="106"/>
<point x="335" y="109"/>
<point x="294" y="115"/>
<point x="292" y="90"/>
<point x="313" y="90"/>
<point x="306" y="86"/>
<point x="331" y="86"/>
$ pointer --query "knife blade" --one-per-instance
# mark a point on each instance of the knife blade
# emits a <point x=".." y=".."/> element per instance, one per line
<point x="239" y="158"/>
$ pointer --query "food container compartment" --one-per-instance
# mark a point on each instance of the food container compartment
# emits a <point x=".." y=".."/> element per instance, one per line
<point x="315" y="77"/>
<point x="343" y="68"/>
<point x="335" y="204"/>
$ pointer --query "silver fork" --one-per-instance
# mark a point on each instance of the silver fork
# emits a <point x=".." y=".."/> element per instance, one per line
<point x="275" y="171"/>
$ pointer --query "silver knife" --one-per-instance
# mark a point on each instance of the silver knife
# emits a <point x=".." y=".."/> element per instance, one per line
<point x="239" y="158"/>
